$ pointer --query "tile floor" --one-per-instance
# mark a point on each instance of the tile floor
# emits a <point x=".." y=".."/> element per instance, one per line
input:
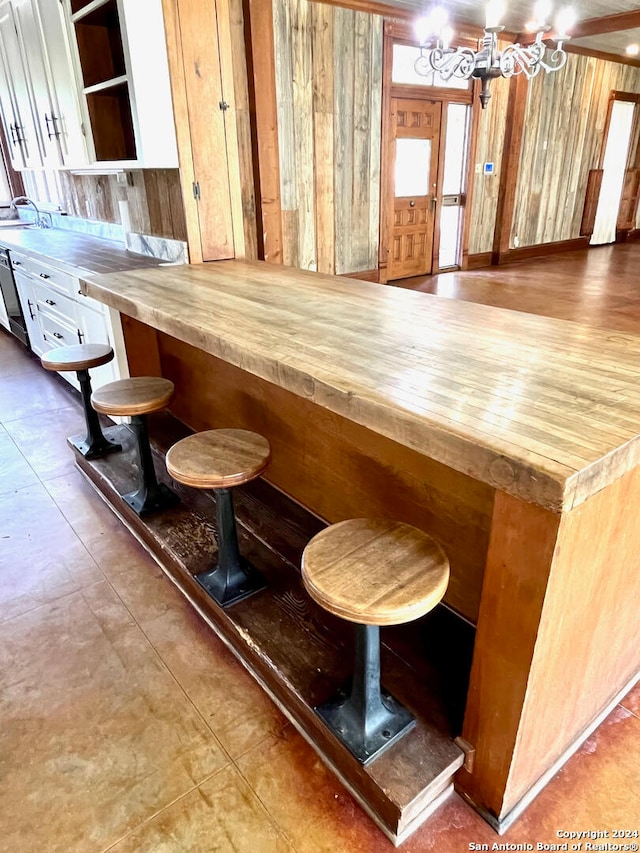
<point x="126" y="726"/>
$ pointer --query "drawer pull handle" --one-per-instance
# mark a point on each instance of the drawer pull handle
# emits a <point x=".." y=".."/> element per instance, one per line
<point x="17" y="263"/>
<point x="43" y="275"/>
<point x="80" y="336"/>
<point x="49" y="301"/>
<point x="31" y="313"/>
<point x="58" y="336"/>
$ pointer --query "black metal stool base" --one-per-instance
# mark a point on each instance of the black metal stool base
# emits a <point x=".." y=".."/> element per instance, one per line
<point x="95" y="448"/>
<point x="229" y="588"/>
<point x="365" y="718"/>
<point x="145" y="502"/>
<point x="339" y="716"/>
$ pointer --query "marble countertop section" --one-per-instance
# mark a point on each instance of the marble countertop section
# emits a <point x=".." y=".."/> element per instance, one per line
<point x="75" y="253"/>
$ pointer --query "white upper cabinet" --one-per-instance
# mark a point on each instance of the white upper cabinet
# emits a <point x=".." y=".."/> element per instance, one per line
<point x="37" y="88"/>
<point x="16" y="98"/>
<point x="122" y="69"/>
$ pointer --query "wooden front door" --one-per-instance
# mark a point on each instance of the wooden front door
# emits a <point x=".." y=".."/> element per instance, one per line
<point x="413" y="157"/>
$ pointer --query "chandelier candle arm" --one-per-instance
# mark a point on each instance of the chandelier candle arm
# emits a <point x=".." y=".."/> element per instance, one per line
<point x="488" y="62"/>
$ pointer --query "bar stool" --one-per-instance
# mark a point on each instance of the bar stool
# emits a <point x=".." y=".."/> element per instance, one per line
<point x="219" y="459"/>
<point x="82" y="358"/>
<point x="372" y="572"/>
<point x="137" y="398"/>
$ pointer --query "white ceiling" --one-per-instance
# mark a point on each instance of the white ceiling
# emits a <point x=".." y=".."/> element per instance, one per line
<point x="519" y="11"/>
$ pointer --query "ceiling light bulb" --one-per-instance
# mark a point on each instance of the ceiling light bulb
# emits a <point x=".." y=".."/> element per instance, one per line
<point x="446" y="37"/>
<point x="431" y="24"/>
<point x="565" y="19"/>
<point x="541" y="14"/>
<point x="632" y="50"/>
<point x="494" y="13"/>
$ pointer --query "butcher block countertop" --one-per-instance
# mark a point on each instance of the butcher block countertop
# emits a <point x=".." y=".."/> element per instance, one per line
<point x="73" y="252"/>
<point x="544" y="409"/>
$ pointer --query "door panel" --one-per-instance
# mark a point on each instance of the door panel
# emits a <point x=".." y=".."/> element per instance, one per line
<point x="414" y="155"/>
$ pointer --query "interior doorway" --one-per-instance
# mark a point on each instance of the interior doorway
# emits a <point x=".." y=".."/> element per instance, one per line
<point x="413" y="159"/>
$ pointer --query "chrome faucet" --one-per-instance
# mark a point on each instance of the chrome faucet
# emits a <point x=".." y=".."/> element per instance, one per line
<point x="41" y="218"/>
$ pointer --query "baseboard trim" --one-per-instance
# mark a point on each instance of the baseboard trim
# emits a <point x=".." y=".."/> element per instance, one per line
<point x="541" y="250"/>
<point x="364" y="275"/>
<point x="477" y="261"/>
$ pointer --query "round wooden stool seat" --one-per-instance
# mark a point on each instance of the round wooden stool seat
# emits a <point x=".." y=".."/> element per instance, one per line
<point x="78" y="357"/>
<point x="141" y="395"/>
<point x="372" y="572"/>
<point x="375" y="571"/>
<point x="218" y="458"/>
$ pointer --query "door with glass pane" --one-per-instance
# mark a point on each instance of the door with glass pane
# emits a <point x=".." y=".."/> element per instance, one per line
<point x="414" y="174"/>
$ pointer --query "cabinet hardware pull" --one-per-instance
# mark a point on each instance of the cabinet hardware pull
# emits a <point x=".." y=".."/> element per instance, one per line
<point x="19" y="138"/>
<point x="80" y="336"/>
<point x="43" y="275"/>
<point x="55" y="133"/>
<point x="31" y="313"/>
<point x="17" y="263"/>
<point x="13" y="137"/>
<point x="49" y="301"/>
<point x="58" y="336"/>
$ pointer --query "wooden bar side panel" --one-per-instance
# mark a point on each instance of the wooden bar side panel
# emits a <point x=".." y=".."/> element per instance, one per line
<point x="335" y="467"/>
<point x="588" y="645"/>
<point x="521" y="548"/>
<point x="558" y="636"/>
<point x="141" y="343"/>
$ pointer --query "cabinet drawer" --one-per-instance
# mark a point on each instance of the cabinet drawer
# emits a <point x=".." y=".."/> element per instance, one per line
<point x="49" y="301"/>
<point x="57" y="333"/>
<point x="66" y="284"/>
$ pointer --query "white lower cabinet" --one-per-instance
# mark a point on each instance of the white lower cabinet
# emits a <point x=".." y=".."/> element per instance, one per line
<point x="25" y="286"/>
<point x="58" y="315"/>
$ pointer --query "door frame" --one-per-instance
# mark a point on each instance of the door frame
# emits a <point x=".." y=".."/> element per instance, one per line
<point x="401" y="32"/>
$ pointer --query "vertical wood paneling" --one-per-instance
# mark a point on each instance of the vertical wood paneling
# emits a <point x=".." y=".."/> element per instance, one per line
<point x="564" y="128"/>
<point x="485" y="189"/>
<point x="282" y="37"/>
<point x="154" y="197"/>
<point x="329" y="84"/>
<point x="344" y="58"/>
<point x="302" y="65"/>
<point x="322" y="22"/>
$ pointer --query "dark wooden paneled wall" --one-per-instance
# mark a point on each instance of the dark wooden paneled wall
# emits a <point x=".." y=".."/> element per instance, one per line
<point x="328" y="66"/>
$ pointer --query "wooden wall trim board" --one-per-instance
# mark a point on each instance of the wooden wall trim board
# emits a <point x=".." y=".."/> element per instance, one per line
<point x="583" y="576"/>
<point x="541" y="250"/>
<point x="476" y="261"/>
<point x="181" y="121"/>
<point x="364" y="275"/>
<point x="607" y="24"/>
<point x="601" y="55"/>
<point x="510" y="164"/>
<point x="260" y="58"/>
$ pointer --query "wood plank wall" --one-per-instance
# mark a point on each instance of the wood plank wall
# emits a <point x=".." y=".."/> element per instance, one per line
<point x="154" y="197"/>
<point x="328" y="64"/>
<point x="564" y="127"/>
<point x="485" y="188"/>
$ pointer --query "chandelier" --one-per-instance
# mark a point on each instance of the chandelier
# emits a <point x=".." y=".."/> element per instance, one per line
<point x="488" y="62"/>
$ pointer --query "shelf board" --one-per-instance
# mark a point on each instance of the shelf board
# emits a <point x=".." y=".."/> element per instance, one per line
<point x="106" y="84"/>
<point x="88" y="9"/>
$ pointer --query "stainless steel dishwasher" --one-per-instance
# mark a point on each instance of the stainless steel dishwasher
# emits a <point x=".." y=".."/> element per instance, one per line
<point x="9" y="296"/>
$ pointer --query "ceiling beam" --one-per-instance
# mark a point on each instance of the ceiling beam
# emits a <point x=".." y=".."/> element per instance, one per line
<point x="608" y="24"/>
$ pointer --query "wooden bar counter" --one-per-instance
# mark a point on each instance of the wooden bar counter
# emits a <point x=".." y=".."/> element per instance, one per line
<point x="513" y="438"/>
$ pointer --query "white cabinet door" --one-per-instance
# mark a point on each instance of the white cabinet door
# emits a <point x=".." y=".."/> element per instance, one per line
<point x="26" y="294"/>
<point x="92" y="325"/>
<point x="144" y="37"/>
<point x="18" y="109"/>
<point x="44" y="43"/>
